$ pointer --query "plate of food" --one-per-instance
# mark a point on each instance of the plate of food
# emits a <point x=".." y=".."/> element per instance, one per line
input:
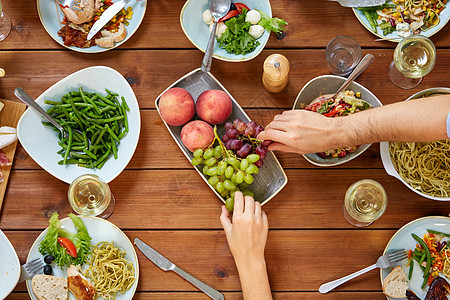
<point x="100" y="112"/>
<point x="390" y="19"/>
<point x="9" y="267"/>
<point x="355" y="98"/>
<point x="427" y="270"/>
<point x="84" y="255"/>
<point x="70" y="28"/>
<point x="422" y="167"/>
<point x="241" y="34"/>
<point x="219" y="139"/>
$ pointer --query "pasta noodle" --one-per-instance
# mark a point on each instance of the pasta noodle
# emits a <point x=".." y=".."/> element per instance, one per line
<point x="446" y="270"/>
<point x="109" y="271"/>
<point x="424" y="166"/>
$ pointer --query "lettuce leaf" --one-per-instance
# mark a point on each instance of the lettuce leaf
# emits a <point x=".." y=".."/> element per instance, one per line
<point x="81" y="239"/>
<point x="272" y="24"/>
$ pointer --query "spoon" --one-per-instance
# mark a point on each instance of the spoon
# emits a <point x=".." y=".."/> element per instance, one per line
<point x="363" y="64"/>
<point x="218" y="8"/>
<point x="25" y="98"/>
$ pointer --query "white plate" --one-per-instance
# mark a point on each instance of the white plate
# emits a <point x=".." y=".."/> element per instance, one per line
<point x="51" y="17"/>
<point x="198" y="32"/>
<point x="444" y="18"/>
<point x="99" y="230"/>
<point x="402" y="239"/>
<point x="41" y="142"/>
<point x="9" y="266"/>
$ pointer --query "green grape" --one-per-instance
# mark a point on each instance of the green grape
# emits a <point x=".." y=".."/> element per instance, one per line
<point x="243" y="185"/>
<point x="196" y="161"/>
<point x="213" y="180"/>
<point x="231" y="160"/>
<point x="247" y="192"/>
<point x="229" y="172"/>
<point x="252" y="158"/>
<point x="205" y="170"/>
<point x="237" y="164"/>
<point x="229" y="204"/>
<point x="234" y="191"/>
<point x="208" y="153"/>
<point x="198" y="153"/>
<point x="248" y="178"/>
<point x="252" y="169"/>
<point x="233" y="178"/>
<point x="229" y="185"/>
<point x="213" y="171"/>
<point x="244" y="164"/>
<point x="217" y="151"/>
<point x="225" y="193"/>
<point x="220" y="187"/>
<point x="221" y="170"/>
<point x="211" y="161"/>
<point x="239" y="177"/>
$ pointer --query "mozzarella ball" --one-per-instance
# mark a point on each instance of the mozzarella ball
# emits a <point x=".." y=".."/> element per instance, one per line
<point x="221" y="28"/>
<point x="207" y="17"/>
<point x="253" y="16"/>
<point x="256" y="31"/>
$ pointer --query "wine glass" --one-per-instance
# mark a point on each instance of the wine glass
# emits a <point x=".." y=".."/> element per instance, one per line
<point x="90" y="196"/>
<point x="414" y="57"/>
<point x="5" y="24"/>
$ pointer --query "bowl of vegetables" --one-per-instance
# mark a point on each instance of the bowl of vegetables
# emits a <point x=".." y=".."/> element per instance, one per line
<point x="355" y="98"/>
<point x="100" y="114"/>
<point x="240" y="36"/>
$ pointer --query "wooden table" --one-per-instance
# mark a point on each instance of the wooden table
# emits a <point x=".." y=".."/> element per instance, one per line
<point x="162" y="200"/>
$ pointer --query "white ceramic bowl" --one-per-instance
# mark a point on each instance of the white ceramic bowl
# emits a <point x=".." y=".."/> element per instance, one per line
<point x="329" y="84"/>
<point x="41" y="142"/>
<point x="198" y="32"/>
<point x="386" y="156"/>
<point x="9" y="266"/>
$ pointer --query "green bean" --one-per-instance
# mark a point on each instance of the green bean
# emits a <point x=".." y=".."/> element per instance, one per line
<point x="438" y="233"/>
<point x="69" y="144"/>
<point x="78" y="155"/>
<point x="68" y="162"/>
<point x="111" y="93"/>
<point x="111" y="133"/>
<point x="427" y="253"/>
<point x="90" y="153"/>
<point x="411" y="268"/>
<point x="103" y="158"/>
<point x="52" y="102"/>
<point x="125" y="104"/>
<point x="125" y="118"/>
<point x="114" y="148"/>
<point x="104" y="99"/>
<point x="102" y="121"/>
<point x="74" y="94"/>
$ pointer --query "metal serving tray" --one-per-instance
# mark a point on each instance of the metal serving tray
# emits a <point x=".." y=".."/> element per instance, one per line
<point x="271" y="177"/>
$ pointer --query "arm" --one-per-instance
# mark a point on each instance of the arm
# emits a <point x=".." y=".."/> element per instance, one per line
<point x="303" y="131"/>
<point x="247" y="236"/>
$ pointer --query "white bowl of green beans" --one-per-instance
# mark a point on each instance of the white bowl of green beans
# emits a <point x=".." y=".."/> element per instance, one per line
<point x="100" y="113"/>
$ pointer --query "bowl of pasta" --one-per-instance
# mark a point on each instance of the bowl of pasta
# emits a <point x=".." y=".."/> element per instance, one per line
<point x="423" y="167"/>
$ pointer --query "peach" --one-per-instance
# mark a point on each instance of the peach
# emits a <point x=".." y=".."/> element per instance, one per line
<point x="197" y="134"/>
<point x="214" y="106"/>
<point x="176" y="106"/>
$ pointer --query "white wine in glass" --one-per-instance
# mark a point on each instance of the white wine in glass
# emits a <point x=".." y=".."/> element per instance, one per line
<point x="90" y="196"/>
<point x="5" y="24"/>
<point x="365" y="201"/>
<point x="414" y="57"/>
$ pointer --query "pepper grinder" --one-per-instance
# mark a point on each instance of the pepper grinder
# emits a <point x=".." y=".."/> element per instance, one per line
<point x="275" y="75"/>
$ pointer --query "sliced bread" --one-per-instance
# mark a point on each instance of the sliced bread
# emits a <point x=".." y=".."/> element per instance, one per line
<point x="47" y="287"/>
<point x="396" y="283"/>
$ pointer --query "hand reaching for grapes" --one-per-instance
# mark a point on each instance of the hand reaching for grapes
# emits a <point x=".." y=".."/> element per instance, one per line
<point x="302" y="131"/>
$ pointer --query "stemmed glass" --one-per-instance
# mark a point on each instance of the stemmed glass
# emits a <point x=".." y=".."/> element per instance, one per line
<point x="90" y="196"/>
<point x="5" y="24"/>
<point x="414" y="57"/>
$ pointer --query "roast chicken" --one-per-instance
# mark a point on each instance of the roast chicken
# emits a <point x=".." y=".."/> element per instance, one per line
<point x="88" y="8"/>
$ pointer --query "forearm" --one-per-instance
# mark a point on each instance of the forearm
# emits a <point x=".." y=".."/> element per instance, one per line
<point x="417" y="120"/>
<point x="254" y="279"/>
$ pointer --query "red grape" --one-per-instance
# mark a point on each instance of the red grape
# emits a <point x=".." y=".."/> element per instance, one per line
<point x="261" y="151"/>
<point x="266" y="143"/>
<point x="322" y="154"/>
<point x="259" y="163"/>
<point x="225" y="138"/>
<point x="232" y="133"/>
<point x="240" y="126"/>
<point x="245" y="150"/>
<point x="235" y="144"/>
<point x="249" y="131"/>
<point x="258" y="130"/>
<point x="228" y="145"/>
<point x="251" y="124"/>
<point x="228" y="125"/>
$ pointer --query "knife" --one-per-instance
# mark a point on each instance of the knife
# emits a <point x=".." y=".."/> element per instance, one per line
<point x="360" y="3"/>
<point x="107" y="15"/>
<point x="167" y="265"/>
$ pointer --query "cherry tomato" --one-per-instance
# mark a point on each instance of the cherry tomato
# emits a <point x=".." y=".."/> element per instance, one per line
<point x="241" y="6"/>
<point x="68" y="245"/>
<point x="229" y="15"/>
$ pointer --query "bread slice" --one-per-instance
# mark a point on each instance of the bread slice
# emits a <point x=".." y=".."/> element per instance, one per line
<point x="396" y="283"/>
<point x="47" y="287"/>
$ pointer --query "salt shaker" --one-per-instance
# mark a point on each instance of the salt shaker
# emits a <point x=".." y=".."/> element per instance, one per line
<point x="275" y="75"/>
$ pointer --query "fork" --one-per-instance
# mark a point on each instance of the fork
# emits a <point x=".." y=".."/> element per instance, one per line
<point x="31" y="268"/>
<point x="387" y="260"/>
<point x="72" y="4"/>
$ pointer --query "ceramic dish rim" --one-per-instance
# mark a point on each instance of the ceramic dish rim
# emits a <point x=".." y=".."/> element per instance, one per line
<point x="17" y="265"/>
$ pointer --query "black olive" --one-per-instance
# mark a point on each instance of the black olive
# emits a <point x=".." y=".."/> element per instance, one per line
<point x="233" y="7"/>
<point x="48" y="270"/>
<point x="48" y="259"/>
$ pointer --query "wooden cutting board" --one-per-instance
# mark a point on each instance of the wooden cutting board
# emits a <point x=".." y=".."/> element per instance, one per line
<point x="9" y="116"/>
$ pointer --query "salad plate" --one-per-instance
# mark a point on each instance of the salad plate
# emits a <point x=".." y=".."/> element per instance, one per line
<point x="394" y="37"/>
<point x="198" y="32"/>
<point x="402" y="239"/>
<point x="41" y="142"/>
<point x="9" y="266"/>
<point x="51" y="17"/>
<point x="99" y="230"/>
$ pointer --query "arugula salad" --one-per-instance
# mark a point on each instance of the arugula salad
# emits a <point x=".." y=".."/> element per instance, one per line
<point x="239" y="30"/>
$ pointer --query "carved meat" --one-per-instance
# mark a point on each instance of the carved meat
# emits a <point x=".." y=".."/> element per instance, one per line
<point x="439" y="289"/>
<point x="83" y="16"/>
<point x="411" y="296"/>
<point x="78" y="285"/>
